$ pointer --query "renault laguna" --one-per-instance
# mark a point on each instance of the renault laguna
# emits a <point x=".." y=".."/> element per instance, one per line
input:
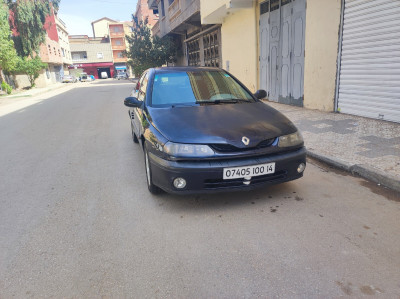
<point x="201" y="130"/>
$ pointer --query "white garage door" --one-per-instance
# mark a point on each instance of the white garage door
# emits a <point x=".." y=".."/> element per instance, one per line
<point x="282" y="41"/>
<point x="370" y="63"/>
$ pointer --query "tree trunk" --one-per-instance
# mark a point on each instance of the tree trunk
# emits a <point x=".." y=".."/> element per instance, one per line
<point x="1" y="76"/>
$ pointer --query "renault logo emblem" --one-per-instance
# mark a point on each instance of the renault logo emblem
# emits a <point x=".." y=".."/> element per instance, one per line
<point x="245" y="140"/>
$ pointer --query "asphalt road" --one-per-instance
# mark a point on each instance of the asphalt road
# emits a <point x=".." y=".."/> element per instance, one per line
<point x="76" y="219"/>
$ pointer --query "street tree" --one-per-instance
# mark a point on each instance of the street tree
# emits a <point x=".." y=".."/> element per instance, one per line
<point x="8" y="55"/>
<point x="27" y="21"/>
<point x="31" y="67"/>
<point x="146" y="51"/>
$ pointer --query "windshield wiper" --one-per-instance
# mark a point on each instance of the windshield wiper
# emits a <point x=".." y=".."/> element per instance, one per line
<point x="219" y="101"/>
<point x="182" y="105"/>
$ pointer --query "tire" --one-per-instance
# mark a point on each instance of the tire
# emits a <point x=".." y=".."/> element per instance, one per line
<point x="134" y="137"/>
<point x="152" y="188"/>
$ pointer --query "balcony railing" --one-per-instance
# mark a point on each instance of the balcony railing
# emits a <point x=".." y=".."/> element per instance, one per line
<point x="119" y="59"/>
<point x="117" y="34"/>
<point x="178" y="12"/>
<point x="118" y="47"/>
<point x="174" y="10"/>
<point x="156" y="28"/>
<point x="79" y="59"/>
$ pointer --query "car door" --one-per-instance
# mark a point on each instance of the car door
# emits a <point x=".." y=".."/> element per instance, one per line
<point x="138" y="117"/>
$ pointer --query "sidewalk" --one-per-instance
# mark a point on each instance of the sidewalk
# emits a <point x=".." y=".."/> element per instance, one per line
<point x="365" y="147"/>
<point x="32" y="92"/>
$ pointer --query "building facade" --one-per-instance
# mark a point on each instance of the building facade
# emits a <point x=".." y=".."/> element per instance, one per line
<point x="92" y="55"/>
<point x="116" y="32"/>
<point x="143" y="12"/>
<point x="200" y="44"/>
<point x="54" y="51"/>
<point x="50" y="53"/>
<point x="64" y="44"/>
<point x="292" y="49"/>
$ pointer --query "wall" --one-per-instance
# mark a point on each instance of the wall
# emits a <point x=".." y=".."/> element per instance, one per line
<point x="121" y="41"/>
<point x="209" y="8"/>
<point x="100" y="28"/>
<point x="322" y="39"/>
<point x="143" y="11"/>
<point x="239" y="46"/>
<point x="51" y="56"/>
<point x="63" y="41"/>
<point x="50" y="27"/>
<point x="92" y="49"/>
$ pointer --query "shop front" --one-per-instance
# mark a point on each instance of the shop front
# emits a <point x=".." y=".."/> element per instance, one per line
<point x="119" y="67"/>
<point x="95" y="69"/>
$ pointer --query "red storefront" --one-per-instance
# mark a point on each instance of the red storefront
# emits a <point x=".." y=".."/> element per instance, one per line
<point x="95" y="69"/>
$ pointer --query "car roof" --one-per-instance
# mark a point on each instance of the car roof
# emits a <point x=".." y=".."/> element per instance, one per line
<point x="174" y="69"/>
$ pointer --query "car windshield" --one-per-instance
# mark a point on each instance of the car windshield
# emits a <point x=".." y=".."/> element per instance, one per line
<point x="197" y="87"/>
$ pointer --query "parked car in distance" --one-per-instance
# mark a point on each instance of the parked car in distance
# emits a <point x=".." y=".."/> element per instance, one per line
<point x="83" y="77"/>
<point x="201" y="130"/>
<point x="69" y="79"/>
<point x="122" y="75"/>
<point x="104" y="75"/>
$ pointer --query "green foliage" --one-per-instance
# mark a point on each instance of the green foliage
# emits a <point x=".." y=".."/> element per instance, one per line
<point x="56" y="5"/>
<point x="29" y="18"/>
<point x="31" y="67"/>
<point x="146" y="51"/>
<point x="7" y="88"/>
<point x="8" y="55"/>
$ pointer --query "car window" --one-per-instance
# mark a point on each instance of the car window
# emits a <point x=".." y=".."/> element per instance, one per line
<point x="196" y="87"/>
<point x="142" y="87"/>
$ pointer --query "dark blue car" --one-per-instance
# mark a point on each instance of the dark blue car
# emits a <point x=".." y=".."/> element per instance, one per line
<point x="201" y="130"/>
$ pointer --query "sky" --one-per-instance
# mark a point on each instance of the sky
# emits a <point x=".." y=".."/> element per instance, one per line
<point x="79" y="14"/>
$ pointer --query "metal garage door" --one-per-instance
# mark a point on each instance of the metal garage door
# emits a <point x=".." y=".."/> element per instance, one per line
<point x="369" y="82"/>
<point x="282" y="41"/>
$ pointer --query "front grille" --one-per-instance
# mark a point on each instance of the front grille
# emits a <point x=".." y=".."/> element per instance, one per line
<point x="229" y="148"/>
<point x="221" y="183"/>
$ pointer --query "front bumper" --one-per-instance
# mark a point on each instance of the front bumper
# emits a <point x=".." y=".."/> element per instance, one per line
<point x="207" y="176"/>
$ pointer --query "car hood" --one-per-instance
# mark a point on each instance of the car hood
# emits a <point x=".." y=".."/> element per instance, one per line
<point x="221" y="123"/>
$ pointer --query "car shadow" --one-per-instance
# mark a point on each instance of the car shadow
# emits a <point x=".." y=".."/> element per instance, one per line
<point x="228" y="200"/>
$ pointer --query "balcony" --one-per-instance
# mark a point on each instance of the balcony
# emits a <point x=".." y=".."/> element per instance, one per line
<point x="118" y="47"/>
<point x="179" y="15"/>
<point x="214" y="12"/>
<point x="79" y="60"/>
<point x="117" y="34"/>
<point x="156" y="29"/>
<point x="174" y="10"/>
<point x="183" y="11"/>
<point x="120" y="59"/>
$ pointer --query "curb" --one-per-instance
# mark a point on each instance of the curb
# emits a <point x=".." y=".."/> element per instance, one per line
<point x="364" y="171"/>
<point x="34" y="94"/>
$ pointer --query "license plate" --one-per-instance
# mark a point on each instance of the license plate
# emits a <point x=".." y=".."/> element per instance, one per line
<point x="248" y="171"/>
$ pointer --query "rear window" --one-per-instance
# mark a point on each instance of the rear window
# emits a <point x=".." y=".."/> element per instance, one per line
<point x="195" y="88"/>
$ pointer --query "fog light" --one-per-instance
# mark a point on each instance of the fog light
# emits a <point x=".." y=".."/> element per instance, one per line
<point x="301" y="167"/>
<point x="179" y="183"/>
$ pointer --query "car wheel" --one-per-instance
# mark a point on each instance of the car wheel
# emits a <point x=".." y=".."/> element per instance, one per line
<point x="152" y="188"/>
<point x="134" y="137"/>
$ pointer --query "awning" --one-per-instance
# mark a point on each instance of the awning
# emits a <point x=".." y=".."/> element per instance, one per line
<point x="120" y="67"/>
<point x="83" y="65"/>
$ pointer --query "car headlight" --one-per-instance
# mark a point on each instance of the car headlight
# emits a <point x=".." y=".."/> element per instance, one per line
<point x="290" y="140"/>
<point x="188" y="150"/>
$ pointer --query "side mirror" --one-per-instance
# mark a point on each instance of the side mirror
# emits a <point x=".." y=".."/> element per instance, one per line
<point x="260" y="94"/>
<point x="132" y="102"/>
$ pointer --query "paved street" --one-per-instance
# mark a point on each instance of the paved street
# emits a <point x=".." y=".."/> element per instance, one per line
<point x="76" y="219"/>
